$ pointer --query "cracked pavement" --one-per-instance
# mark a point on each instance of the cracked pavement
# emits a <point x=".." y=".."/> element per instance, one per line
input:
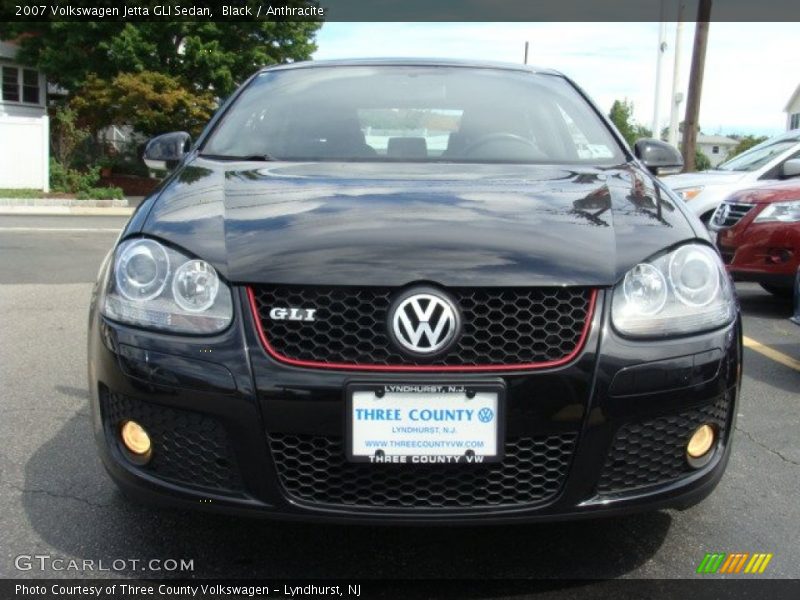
<point x="58" y="501"/>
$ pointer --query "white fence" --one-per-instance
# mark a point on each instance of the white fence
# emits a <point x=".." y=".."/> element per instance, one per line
<point x="24" y="152"/>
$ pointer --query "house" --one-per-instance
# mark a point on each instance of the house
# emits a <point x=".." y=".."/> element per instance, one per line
<point x="792" y="110"/>
<point x="715" y="147"/>
<point x="24" y="125"/>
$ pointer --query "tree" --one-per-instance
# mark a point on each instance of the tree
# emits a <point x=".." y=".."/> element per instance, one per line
<point x="206" y="56"/>
<point x="155" y="75"/>
<point x="745" y="143"/>
<point x="621" y="114"/>
<point x="149" y="102"/>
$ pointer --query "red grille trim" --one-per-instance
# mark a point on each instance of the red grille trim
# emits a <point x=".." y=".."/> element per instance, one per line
<point x="310" y="364"/>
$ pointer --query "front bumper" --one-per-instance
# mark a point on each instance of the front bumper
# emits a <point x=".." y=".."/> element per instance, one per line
<point x="761" y="252"/>
<point x="236" y="431"/>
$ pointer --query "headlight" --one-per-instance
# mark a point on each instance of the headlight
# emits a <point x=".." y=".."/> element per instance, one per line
<point x="785" y="212"/>
<point x="687" y="194"/>
<point x="141" y="270"/>
<point x="684" y="291"/>
<point x="195" y="286"/>
<point x="157" y="287"/>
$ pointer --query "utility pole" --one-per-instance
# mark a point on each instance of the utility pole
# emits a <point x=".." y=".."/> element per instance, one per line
<point x="676" y="97"/>
<point x="690" y="125"/>
<point x="662" y="47"/>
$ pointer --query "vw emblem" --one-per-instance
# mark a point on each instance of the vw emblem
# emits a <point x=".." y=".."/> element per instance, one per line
<point x="424" y="322"/>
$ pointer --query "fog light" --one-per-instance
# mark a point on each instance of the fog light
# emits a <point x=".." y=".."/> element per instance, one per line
<point x="701" y="442"/>
<point x="135" y="438"/>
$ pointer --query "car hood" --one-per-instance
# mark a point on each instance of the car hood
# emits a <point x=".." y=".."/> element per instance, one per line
<point x="703" y="178"/>
<point x="396" y="223"/>
<point x="768" y="193"/>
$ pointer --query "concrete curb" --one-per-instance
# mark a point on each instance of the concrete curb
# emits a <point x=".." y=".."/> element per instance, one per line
<point x="64" y="206"/>
<point x="53" y="211"/>
<point x="60" y="202"/>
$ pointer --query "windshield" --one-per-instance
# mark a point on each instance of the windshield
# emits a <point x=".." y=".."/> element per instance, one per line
<point x="417" y="114"/>
<point x="758" y="156"/>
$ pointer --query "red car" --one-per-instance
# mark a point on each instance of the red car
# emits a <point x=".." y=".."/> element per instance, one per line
<point x="758" y="235"/>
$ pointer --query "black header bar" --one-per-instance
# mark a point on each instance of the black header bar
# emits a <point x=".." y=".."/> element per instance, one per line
<point x="395" y="10"/>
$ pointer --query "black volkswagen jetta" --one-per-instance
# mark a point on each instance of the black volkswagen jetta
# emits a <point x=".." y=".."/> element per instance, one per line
<point x="413" y="291"/>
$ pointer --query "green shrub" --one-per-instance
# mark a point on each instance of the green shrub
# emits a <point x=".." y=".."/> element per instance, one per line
<point x="81" y="183"/>
<point x="101" y="193"/>
<point x="701" y="161"/>
<point x="66" y="137"/>
<point x="72" y="181"/>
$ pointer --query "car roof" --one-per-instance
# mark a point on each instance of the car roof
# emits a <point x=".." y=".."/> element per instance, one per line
<point x="412" y="62"/>
<point x="793" y="135"/>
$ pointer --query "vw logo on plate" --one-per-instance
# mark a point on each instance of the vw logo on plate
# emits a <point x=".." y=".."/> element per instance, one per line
<point x="485" y="415"/>
<point x="424" y="322"/>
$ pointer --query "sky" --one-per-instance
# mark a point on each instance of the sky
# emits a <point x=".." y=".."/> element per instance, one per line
<point x="751" y="69"/>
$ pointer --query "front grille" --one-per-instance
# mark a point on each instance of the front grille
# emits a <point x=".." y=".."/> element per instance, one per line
<point x="518" y="326"/>
<point x="314" y="469"/>
<point x="730" y="216"/>
<point x="727" y="254"/>
<point x="188" y="447"/>
<point x="653" y="452"/>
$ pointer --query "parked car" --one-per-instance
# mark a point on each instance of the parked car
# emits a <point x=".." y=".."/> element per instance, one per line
<point x="758" y="234"/>
<point x="773" y="160"/>
<point x="517" y="322"/>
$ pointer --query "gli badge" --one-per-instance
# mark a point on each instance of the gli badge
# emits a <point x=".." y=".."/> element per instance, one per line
<point x="292" y="314"/>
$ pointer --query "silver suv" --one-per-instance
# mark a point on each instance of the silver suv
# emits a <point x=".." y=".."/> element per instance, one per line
<point x="775" y="159"/>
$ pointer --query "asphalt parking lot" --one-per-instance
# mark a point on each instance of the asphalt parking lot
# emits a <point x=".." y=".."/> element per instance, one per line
<point x="58" y="501"/>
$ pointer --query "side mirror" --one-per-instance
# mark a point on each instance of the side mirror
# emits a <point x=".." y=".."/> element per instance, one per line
<point x="164" y="152"/>
<point x="659" y="157"/>
<point x="791" y="168"/>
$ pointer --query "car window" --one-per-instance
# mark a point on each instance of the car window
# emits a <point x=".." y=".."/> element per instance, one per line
<point x="374" y="113"/>
<point x="433" y="126"/>
<point x="586" y="146"/>
<point x="757" y="156"/>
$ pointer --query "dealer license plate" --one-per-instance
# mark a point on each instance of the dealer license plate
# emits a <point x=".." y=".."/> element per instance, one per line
<point x="424" y="423"/>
